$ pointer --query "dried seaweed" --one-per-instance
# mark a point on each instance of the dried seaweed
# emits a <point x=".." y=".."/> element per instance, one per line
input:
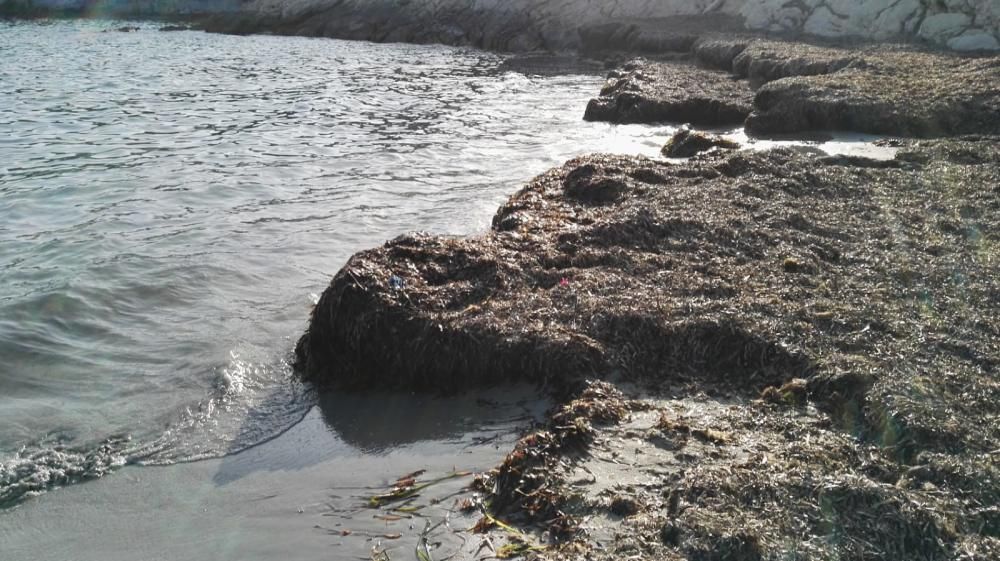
<point x="799" y="87"/>
<point x="645" y="92"/>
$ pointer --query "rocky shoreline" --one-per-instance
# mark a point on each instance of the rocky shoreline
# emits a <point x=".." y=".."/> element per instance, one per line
<point x="839" y="316"/>
<point x="759" y="355"/>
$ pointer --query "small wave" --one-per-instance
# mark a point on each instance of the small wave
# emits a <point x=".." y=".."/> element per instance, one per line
<point x="255" y="398"/>
<point x="252" y="402"/>
<point x="35" y="469"/>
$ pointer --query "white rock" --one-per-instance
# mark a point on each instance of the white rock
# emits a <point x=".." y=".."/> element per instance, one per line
<point x="974" y="40"/>
<point x="962" y="24"/>
<point x="894" y="19"/>
<point x="790" y="18"/>
<point x="824" y="23"/>
<point x="941" y="27"/>
<point x="759" y="14"/>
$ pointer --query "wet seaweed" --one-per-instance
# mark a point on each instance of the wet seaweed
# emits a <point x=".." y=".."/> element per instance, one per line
<point x="849" y="312"/>
<point x="527" y="485"/>
<point x="647" y="92"/>
<point x="407" y="488"/>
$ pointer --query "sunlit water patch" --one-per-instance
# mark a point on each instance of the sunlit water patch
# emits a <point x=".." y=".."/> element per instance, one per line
<point x="833" y="143"/>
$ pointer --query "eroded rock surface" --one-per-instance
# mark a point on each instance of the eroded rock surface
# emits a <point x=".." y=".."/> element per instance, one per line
<point x="519" y="25"/>
<point x="650" y="92"/>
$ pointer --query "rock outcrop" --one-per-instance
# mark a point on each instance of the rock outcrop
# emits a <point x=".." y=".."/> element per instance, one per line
<point x="635" y="25"/>
<point x="644" y="92"/>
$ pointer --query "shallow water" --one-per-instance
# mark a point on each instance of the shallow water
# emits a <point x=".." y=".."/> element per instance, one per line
<point x="822" y="143"/>
<point x="302" y="495"/>
<point x="173" y="202"/>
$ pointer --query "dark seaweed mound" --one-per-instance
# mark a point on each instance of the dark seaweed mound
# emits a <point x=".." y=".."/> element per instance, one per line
<point x="876" y="281"/>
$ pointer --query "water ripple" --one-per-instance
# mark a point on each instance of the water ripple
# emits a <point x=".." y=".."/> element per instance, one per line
<point x="169" y="202"/>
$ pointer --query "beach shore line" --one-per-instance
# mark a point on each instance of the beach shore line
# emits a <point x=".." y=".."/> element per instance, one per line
<point x="756" y="355"/>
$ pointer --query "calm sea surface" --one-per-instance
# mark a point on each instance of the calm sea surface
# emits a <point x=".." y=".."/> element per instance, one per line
<point x="171" y="204"/>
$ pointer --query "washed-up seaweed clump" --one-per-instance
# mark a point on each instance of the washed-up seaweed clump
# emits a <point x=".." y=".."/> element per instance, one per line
<point x="867" y="289"/>
<point x="880" y="89"/>
<point x="746" y="479"/>
<point x="686" y="143"/>
<point x="875" y="281"/>
<point x="527" y="488"/>
<point x="894" y="92"/>
<point x="645" y="92"/>
<point x="765" y="60"/>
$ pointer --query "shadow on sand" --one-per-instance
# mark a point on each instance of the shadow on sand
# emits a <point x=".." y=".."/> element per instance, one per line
<point x="352" y="424"/>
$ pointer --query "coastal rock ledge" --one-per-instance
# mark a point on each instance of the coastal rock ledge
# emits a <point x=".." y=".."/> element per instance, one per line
<point x="759" y="282"/>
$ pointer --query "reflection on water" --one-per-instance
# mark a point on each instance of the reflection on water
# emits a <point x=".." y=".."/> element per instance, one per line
<point x="376" y="423"/>
<point x="382" y="424"/>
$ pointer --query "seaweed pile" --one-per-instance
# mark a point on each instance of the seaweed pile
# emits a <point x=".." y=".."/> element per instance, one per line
<point x="686" y="143"/>
<point x="643" y="92"/>
<point x="859" y="298"/>
<point x="704" y="478"/>
<point x="797" y="87"/>
<point x="528" y="486"/>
